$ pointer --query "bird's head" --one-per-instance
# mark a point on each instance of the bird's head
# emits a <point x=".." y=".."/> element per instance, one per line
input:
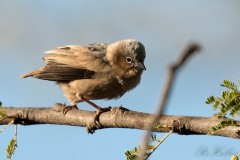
<point x="127" y="55"/>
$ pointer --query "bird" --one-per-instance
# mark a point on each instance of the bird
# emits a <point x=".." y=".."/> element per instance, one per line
<point x="94" y="71"/>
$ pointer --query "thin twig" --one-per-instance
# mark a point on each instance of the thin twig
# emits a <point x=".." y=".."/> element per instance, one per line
<point x="5" y="127"/>
<point x="15" y="134"/>
<point x="172" y="70"/>
<point x="159" y="142"/>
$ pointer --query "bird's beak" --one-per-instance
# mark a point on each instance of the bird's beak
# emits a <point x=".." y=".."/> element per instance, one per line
<point x="140" y="65"/>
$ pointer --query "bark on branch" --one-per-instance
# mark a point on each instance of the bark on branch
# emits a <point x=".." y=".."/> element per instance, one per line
<point x="118" y="117"/>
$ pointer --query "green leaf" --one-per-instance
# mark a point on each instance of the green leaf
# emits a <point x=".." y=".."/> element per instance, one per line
<point x="137" y="149"/>
<point x="234" y="158"/>
<point x="229" y="102"/>
<point x="230" y="85"/>
<point x="221" y="125"/>
<point x="11" y="148"/>
<point x="2" y="114"/>
<point x="132" y="153"/>
<point x="153" y="137"/>
<point x="210" y="100"/>
<point x="150" y="147"/>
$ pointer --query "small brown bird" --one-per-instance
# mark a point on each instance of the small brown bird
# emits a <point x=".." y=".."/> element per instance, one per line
<point x="95" y="71"/>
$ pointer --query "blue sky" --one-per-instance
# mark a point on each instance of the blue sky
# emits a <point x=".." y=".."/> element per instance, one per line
<point x="28" y="28"/>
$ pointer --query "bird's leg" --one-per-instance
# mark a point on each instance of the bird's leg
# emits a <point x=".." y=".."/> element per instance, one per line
<point x="67" y="108"/>
<point x="100" y="110"/>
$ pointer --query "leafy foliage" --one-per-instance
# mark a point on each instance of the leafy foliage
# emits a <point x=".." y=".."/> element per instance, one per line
<point x="154" y="143"/>
<point x="11" y="148"/>
<point x="228" y="103"/>
<point x="136" y="152"/>
<point x="133" y="154"/>
<point x="221" y="125"/>
<point x="13" y="143"/>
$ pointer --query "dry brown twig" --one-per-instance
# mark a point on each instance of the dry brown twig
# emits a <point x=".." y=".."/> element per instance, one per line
<point x="173" y="68"/>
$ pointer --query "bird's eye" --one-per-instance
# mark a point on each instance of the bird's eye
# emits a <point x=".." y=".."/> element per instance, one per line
<point x="129" y="60"/>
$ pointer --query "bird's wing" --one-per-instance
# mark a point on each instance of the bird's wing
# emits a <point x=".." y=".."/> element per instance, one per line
<point x="91" y="57"/>
<point x="72" y="62"/>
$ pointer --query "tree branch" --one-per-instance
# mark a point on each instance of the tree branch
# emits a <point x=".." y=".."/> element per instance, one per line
<point x="118" y="117"/>
<point x="190" y="49"/>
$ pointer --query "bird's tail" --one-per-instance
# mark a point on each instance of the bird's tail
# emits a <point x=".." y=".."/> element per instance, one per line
<point x="32" y="74"/>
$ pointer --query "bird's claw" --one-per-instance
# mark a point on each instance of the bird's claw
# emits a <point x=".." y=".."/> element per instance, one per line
<point x="67" y="108"/>
<point x="99" y="112"/>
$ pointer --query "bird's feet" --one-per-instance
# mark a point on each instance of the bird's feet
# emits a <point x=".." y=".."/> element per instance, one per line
<point x="99" y="112"/>
<point x="99" y="109"/>
<point x="91" y="127"/>
<point x="67" y="108"/>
